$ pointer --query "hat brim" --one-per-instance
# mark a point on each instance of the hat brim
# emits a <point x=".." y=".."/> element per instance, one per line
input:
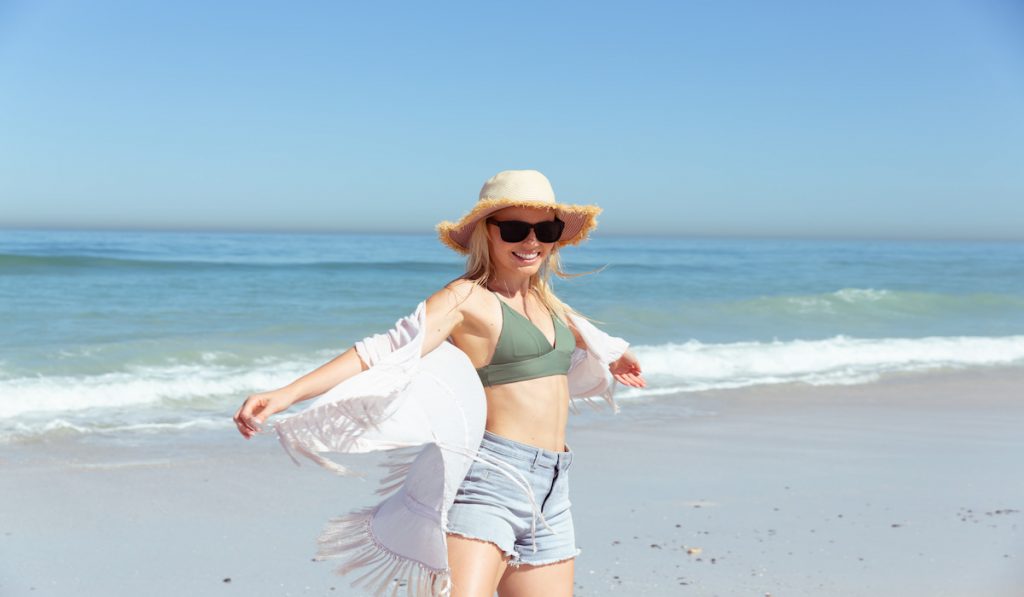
<point x="579" y="220"/>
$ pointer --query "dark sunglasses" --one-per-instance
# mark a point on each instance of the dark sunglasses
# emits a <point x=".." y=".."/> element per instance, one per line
<point x="514" y="231"/>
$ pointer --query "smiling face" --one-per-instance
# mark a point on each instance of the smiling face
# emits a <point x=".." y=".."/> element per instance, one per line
<point x="526" y="256"/>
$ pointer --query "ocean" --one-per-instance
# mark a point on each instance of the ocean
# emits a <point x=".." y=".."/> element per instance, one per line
<point x="145" y="336"/>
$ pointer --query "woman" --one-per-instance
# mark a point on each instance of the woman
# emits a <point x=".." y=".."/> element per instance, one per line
<point x="503" y="315"/>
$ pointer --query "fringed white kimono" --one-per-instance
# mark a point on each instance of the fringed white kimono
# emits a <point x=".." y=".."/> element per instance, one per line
<point x="435" y="406"/>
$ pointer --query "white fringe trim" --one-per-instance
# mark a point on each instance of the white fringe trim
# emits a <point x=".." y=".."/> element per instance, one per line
<point x="351" y="537"/>
<point x="398" y="463"/>
<point x="335" y="427"/>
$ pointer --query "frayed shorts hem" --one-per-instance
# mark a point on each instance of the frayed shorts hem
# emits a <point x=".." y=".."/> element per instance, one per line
<point x="509" y="555"/>
<point x="513" y="558"/>
<point x="550" y="562"/>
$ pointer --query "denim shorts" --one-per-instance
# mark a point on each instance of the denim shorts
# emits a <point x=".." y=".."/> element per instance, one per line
<point x="489" y="506"/>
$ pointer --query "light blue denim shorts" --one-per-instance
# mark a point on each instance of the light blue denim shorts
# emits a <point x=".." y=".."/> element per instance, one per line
<point x="490" y="506"/>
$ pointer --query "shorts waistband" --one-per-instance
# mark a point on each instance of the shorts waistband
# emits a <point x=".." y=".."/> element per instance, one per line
<point x="538" y="457"/>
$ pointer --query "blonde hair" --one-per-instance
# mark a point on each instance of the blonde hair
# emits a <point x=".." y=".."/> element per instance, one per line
<point x="480" y="271"/>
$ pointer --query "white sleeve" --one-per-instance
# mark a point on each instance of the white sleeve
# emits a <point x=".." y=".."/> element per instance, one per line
<point x="373" y="349"/>
<point x="589" y="376"/>
<point x="348" y="417"/>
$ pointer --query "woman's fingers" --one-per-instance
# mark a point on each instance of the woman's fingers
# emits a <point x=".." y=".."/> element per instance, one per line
<point x="237" y="418"/>
<point x="243" y="428"/>
<point x="256" y="409"/>
<point x="631" y="379"/>
<point x="244" y="418"/>
<point x="626" y="370"/>
<point x="631" y="371"/>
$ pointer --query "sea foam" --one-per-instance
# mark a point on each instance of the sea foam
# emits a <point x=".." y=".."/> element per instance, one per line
<point x="695" y="366"/>
<point x="675" y="367"/>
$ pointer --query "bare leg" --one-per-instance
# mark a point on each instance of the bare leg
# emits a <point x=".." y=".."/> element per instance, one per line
<point x="551" y="580"/>
<point x="476" y="566"/>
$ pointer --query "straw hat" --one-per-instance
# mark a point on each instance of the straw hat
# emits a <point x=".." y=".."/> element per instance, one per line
<point x="520" y="188"/>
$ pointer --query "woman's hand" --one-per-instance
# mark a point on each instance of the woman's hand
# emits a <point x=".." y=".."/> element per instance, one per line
<point x="626" y="370"/>
<point x="256" y="408"/>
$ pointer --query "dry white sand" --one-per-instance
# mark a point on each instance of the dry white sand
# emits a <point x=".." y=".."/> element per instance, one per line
<point x="911" y="486"/>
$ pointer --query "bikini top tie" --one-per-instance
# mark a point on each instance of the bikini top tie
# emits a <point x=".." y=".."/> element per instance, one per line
<point x="524" y="353"/>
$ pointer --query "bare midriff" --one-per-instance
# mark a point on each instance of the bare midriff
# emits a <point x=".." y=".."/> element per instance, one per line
<point x="529" y="411"/>
<point x="532" y="411"/>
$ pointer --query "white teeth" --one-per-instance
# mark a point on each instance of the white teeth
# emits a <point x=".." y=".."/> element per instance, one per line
<point x="526" y="256"/>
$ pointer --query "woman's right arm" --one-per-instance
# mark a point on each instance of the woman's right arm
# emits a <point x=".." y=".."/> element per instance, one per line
<point x="444" y="313"/>
<point x="256" y="408"/>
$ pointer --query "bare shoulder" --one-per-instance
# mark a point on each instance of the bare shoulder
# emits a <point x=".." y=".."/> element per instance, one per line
<point x="455" y="299"/>
<point x="461" y="288"/>
<point x="453" y="294"/>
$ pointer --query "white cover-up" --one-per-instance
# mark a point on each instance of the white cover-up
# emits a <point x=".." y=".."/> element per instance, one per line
<point x="435" y="405"/>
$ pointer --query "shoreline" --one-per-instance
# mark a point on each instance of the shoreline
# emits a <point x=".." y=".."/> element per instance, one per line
<point x="906" y="486"/>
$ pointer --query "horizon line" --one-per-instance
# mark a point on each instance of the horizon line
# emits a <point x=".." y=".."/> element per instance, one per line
<point x="612" y="234"/>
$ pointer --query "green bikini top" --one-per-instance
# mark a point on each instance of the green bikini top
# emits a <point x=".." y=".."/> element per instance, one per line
<point x="523" y="352"/>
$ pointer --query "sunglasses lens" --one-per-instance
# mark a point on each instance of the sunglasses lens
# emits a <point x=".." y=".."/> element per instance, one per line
<point x="549" y="232"/>
<point x="513" y="231"/>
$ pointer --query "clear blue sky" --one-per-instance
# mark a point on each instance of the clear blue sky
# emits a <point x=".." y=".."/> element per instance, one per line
<point x="863" y="118"/>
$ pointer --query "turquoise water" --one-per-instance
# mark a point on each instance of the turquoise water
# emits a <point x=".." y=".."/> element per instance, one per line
<point x="149" y="332"/>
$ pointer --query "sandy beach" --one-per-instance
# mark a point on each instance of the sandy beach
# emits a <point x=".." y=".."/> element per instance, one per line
<point x="804" y="221"/>
<point x="910" y="486"/>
